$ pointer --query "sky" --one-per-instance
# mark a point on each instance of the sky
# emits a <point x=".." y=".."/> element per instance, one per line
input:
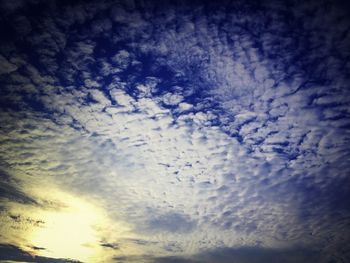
<point x="174" y="131"/>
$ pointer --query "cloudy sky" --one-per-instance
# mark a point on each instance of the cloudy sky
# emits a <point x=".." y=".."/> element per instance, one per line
<point x="174" y="131"/>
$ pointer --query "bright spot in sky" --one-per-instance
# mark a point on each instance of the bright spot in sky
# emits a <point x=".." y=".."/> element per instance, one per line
<point x="70" y="231"/>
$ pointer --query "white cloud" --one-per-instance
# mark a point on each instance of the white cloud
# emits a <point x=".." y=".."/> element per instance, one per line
<point x="122" y="59"/>
<point x="249" y="153"/>
<point x="6" y="66"/>
<point x="172" y="99"/>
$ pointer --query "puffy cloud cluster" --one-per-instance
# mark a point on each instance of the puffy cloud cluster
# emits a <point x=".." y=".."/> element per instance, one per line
<point x="200" y="125"/>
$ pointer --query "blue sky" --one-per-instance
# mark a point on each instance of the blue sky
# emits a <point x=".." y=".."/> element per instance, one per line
<point x="146" y="131"/>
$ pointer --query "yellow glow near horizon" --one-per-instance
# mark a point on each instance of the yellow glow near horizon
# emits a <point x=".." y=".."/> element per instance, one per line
<point x="69" y="231"/>
<point x="66" y="226"/>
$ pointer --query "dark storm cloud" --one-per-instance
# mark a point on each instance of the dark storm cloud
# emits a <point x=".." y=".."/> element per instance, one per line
<point x="240" y="255"/>
<point x="14" y="253"/>
<point x="251" y="255"/>
<point x="110" y="245"/>
<point x="255" y="255"/>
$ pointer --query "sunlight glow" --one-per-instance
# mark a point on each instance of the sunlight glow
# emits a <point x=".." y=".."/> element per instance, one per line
<point x="70" y="231"/>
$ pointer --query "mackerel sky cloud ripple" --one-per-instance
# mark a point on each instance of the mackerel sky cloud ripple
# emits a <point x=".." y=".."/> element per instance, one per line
<point x="174" y="131"/>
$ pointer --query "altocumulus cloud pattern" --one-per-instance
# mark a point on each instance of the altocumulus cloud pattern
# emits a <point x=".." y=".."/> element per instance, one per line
<point x="175" y="131"/>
